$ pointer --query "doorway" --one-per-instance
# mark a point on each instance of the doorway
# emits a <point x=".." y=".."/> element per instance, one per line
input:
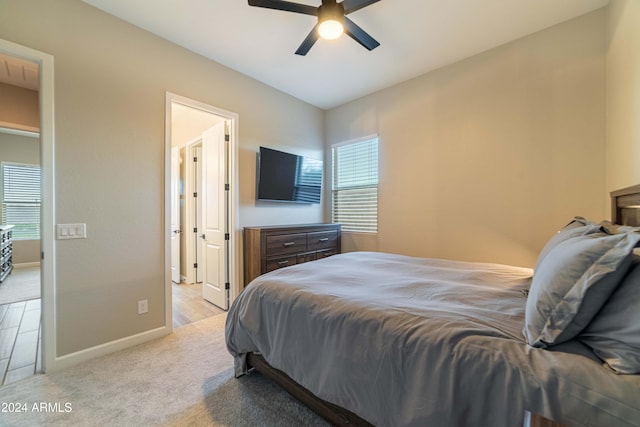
<point x="202" y="152"/>
<point x="28" y="153"/>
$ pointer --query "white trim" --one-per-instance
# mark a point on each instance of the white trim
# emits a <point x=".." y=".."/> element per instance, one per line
<point x="189" y="210"/>
<point x="19" y="127"/>
<point x="47" y="151"/>
<point x="72" y="359"/>
<point x="20" y="132"/>
<point x="168" y="287"/>
<point x="234" y="231"/>
<point x="355" y="140"/>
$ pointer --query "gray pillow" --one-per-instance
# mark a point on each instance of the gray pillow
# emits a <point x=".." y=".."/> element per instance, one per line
<point x="614" y="334"/>
<point x="577" y="227"/>
<point x="572" y="283"/>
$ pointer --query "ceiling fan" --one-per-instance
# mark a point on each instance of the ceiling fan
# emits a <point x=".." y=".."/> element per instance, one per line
<point x="332" y="20"/>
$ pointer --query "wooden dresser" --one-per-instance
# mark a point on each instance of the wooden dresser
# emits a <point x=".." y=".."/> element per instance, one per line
<point x="272" y="247"/>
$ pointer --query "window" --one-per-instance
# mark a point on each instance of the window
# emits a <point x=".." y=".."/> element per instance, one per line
<point x="21" y="199"/>
<point x="355" y="185"/>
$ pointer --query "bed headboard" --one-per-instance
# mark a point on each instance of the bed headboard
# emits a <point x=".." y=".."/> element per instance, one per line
<point x="625" y="206"/>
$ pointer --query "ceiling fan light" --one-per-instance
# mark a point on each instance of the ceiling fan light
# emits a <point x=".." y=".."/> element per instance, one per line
<point x="330" y="29"/>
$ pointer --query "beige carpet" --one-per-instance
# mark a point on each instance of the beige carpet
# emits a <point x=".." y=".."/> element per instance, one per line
<point x="184" y="379"/>
<point x="21" y="285"/>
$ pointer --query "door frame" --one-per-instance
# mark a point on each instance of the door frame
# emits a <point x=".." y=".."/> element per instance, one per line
<point x="235" y="233"/>
<point x="175" y="213"/>
<point x="191" y="185"/>
<point x="47" y="217"/>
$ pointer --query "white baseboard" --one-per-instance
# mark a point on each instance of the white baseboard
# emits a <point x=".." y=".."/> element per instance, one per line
<point x="72" y="359"/>
<point x="27" y="264"/>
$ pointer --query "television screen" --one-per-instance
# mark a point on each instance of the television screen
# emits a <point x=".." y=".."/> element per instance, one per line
<point x="286" y="177"/>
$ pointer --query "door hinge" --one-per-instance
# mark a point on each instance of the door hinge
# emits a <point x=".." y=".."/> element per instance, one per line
<point x="195" y="265"/>
<point x="195" y="160"/>
<point x="226" y="236"/>
<point x="226" y="187"/>
<point x="195" y="229"/>
<point x="195" y="194"/>
<point x="226" y="138"/>
<point x="227" y="286"/>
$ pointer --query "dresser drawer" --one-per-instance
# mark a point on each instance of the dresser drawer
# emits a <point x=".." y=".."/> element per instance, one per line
<point x="322" y="240"/>
<point x="274" y="264"/>
<point x="306" y="257"/>
<point x="325" y="254"/>
<point x="285" y="244"/>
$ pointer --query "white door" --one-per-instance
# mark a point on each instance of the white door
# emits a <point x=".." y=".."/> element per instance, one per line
<point x="175" y="214"/>
<point x="214" y="216"/>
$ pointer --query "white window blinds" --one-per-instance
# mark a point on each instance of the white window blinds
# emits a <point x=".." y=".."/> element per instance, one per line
<point x="355" y="185"/>
<point x="21" y="199"/>
<point x="308" y="180"/>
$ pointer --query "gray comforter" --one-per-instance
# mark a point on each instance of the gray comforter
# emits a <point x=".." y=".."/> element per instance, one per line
<point x="405" y="341"/>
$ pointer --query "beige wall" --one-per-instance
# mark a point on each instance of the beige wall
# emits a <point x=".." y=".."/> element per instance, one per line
<point x="21" y="149"/>
<point x="485" y="159"/>
<point x="19" y="108"/>
<point x="623" y="94"/>
<point x="110" y="84"/>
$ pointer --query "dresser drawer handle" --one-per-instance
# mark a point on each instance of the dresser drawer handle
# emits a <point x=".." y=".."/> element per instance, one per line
<point x="324" y="239"/>
<point x="288" y="244"/>
<point x="285" y="262"/>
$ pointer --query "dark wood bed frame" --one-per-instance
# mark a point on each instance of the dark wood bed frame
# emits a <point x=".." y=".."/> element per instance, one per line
<point x="336" y="415"/>
<point x="625" y="210"/>
<point x="625" y="206"/>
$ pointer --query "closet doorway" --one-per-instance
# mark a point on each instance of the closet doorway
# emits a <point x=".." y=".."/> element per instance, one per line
<point x="202" y="159"/>
<point x="27" y="344"/>
<point x="20" y="287"/>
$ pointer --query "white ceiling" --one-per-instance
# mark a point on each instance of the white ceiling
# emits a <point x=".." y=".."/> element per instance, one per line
<point x="416" y="36"/>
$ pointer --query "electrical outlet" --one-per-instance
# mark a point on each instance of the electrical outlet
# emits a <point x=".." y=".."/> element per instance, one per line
<point x="143" y="306"/>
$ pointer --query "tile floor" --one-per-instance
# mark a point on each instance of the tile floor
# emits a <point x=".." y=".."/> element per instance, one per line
<point x="20" y="350"/>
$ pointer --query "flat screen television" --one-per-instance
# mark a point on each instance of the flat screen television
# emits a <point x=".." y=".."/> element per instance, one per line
<point x="286" y="177"/>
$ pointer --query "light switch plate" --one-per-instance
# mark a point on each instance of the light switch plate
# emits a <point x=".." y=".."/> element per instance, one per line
<point x="71" y="231"/>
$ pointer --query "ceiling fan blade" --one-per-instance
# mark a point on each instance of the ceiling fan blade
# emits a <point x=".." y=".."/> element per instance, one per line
<point x="311" y="39"/>
<point x="286" y="6"/>
<point x="353" y="5"/>
<point x="359" y="35"/>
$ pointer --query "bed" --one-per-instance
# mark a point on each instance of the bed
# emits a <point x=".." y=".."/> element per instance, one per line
<point x="381" y="339"/>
